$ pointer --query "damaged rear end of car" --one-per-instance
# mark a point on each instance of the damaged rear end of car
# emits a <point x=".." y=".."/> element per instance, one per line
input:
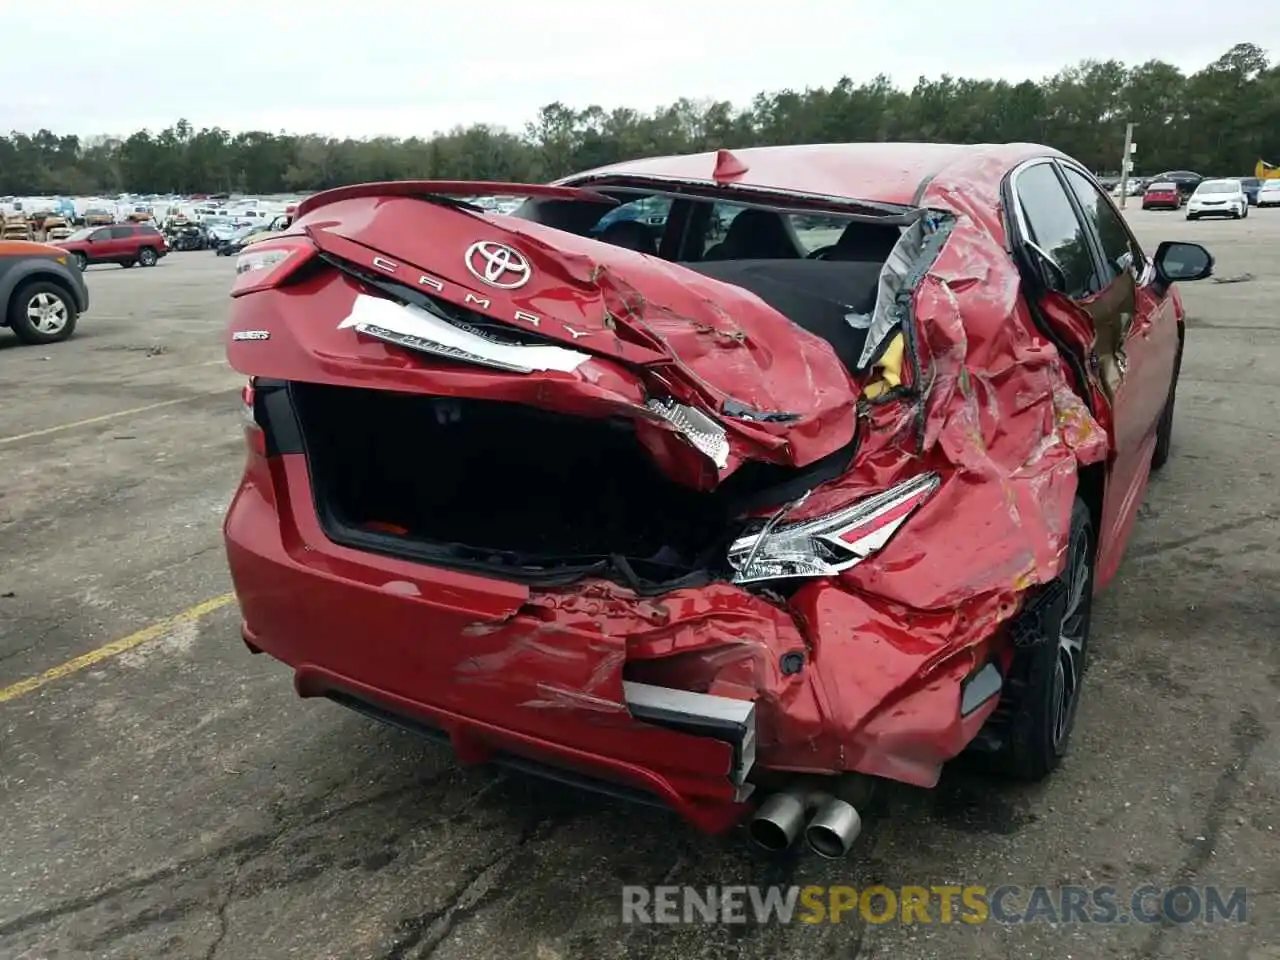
<point x="607" y="517"/>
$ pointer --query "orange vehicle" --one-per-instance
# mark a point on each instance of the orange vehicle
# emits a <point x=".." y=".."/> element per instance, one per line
<point x="42" y="292"/>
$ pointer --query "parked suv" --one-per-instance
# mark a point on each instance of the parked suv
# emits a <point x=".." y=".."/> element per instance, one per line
<point x="122" y="243"/>
<point x="41" y="295"/>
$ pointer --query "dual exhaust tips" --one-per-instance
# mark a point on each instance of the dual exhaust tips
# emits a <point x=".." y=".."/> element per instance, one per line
<point x="829" y="824"/>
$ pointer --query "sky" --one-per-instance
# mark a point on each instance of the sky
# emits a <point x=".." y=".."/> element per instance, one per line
<point x="401" y="68"/>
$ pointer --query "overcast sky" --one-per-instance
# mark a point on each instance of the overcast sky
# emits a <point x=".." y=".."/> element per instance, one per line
<point x="402" y="68"/>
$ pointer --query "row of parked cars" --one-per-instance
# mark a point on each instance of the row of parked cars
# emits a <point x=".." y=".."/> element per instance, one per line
<point x="1205" y="196"/>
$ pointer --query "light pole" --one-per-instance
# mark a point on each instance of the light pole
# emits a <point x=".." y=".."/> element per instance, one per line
<point x="1126" y="165"/>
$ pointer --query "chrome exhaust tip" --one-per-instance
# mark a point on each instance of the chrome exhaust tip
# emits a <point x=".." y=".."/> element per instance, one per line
<point x="778" y="822"/>
<point x="833" y="829"/>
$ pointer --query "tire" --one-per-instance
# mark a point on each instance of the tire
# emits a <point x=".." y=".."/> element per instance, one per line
<point x="1164" y="429"/>
<point x="147" y="257"/>
<point x="42" y="312"/>
<point x="1042" y="692"/>
<point x="128" y="264"/>
<point x="82" y="261"/>
<point x="1192" y="216"/>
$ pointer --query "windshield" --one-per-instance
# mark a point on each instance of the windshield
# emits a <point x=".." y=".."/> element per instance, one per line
<point x="1162" y="187"/>
<point x="1270" y="185"/>
<point x="1219" y="186"/>
<point x="83" y="234"/>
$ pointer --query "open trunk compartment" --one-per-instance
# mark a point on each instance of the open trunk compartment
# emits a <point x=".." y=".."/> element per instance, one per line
<point x="520" y="492"/>
<point x="512" y="489"/>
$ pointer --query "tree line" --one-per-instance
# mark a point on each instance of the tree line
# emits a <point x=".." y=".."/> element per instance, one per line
<point x="1217" y="121"/>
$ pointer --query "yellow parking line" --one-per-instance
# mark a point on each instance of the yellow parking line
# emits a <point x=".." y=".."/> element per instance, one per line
<point x="108" y="416"/>
<point x="115" y="647"/>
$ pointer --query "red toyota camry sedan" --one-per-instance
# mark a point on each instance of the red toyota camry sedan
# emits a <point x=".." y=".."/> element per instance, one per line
<point x="735" y="483"/>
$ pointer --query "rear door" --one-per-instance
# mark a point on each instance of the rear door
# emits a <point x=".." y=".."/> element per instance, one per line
<point x="1149" y="324"/>
<point x="1136" y="337"/>
<point x="122" y="243"/>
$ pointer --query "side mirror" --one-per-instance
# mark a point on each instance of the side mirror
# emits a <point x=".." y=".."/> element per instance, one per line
<point x="1176" y="261"/>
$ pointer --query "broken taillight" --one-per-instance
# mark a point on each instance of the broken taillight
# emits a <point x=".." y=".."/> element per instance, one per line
<point x="255" y="437"/>
<point x="825" y="546"/>
<point x="269" y="263"/>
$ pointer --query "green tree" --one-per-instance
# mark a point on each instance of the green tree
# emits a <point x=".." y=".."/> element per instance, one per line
<point x="1218" y="121"/>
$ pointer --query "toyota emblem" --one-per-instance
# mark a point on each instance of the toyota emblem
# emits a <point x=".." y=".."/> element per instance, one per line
<point x="498" y="265"/>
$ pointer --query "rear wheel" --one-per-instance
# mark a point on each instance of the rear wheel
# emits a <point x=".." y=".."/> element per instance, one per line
<point x="82" y="261"/>
<point x="42" y="312"/>
<point x="1042" y="692"/>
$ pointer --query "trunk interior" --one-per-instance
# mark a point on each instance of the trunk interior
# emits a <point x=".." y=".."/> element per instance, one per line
<point x="512" y="490"/>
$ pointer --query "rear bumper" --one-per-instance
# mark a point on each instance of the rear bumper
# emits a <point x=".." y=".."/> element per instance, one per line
<point x="450" y="656"/>
<point x="475" y="741"/>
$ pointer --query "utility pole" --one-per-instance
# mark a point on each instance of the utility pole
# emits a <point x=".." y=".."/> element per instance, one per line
<point x="1126" y="164"/>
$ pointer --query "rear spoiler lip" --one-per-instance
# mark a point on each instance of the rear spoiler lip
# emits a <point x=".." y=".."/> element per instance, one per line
<point x="447" y="188"/>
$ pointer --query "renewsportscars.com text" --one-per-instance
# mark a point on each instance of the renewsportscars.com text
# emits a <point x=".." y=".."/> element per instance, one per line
<point x="939" y="903"/>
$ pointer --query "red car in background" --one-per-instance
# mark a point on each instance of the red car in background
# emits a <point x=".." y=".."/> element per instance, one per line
<point x="1161" y="196"/>
<point x="736" y="522"/>
<point x="123" y="243"/>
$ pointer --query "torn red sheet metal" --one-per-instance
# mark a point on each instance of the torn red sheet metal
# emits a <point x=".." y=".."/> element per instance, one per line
<point x="1002" y="424"/>
<point x="645" y="323"/>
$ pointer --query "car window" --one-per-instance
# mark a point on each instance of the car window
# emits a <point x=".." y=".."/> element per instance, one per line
<point x="1119" y="249"/>
<point x="1055" y="229"/>
<point x="651" y="211"/>
<point x="118" y="233"/>
<point x="103" y="234"/>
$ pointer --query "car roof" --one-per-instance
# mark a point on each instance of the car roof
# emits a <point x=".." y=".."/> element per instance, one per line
<point x="893" y="173"/>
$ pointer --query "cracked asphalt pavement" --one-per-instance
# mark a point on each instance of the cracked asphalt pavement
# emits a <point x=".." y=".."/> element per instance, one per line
<point x="177" y="800"/>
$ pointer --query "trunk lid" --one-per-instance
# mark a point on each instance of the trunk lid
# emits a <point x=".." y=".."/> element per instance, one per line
<point x="625" y="330"/>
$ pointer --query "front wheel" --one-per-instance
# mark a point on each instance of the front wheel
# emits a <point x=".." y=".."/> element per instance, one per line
<point x="147" y="257"/>
<point x="42" y="312"/>
<point x="1164" y="429"/>
<point x="1042" y="692"/>
<point x="82" y="261"/>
